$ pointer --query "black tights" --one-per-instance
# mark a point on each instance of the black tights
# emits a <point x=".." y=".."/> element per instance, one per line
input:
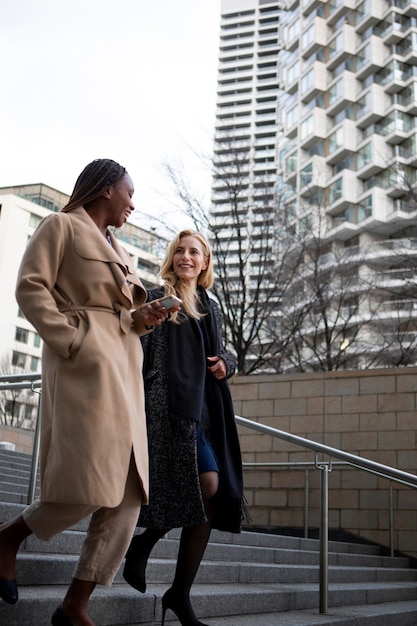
<point x="193" y="540"/>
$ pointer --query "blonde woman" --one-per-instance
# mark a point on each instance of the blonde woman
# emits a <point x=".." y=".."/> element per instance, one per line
<point x="194" y="453"/>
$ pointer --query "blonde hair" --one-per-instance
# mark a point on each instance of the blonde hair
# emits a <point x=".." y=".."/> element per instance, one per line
<point x="174" y="285"/>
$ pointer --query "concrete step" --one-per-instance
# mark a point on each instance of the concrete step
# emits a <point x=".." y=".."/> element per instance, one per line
<point x="387" y="614"/>
<point x="122" y="605"/>
<point x="50" y="569"/>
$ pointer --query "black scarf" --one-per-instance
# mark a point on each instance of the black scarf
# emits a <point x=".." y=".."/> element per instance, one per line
<point x="188" y="380"/>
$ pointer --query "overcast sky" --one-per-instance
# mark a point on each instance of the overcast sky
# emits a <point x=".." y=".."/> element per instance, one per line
<point x="132" y="80"/>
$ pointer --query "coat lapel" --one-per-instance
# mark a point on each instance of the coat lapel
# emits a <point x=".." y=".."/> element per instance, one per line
<point x="89" y="243"/>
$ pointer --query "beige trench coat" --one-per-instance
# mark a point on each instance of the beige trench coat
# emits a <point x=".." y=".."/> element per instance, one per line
<point x="78" y="290"/>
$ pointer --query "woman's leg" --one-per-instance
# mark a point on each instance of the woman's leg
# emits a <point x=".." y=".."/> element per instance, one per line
<point x="194" y="539"/>
<point x="11" y="536"/>
<point x="103" y="550"/>
<point x="44" y="519"/>
<point x="109" y="535"/>
<point x="193" y="543"/>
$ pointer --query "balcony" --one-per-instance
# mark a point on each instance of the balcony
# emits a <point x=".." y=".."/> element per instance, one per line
<point x="369" y="13"/>
<point x="373" y="157"/>
<point x="396" y="127"/>
<point x="372" y="106"/>
<point x="339" y="8"/>
<point x="342" y="46"/>
<point x="307" y="6"/>
<point x="343" y="141"/>
<point x="314" y="82"/>
<point x="314" y="176"/>
<point x="342" y="93"/>
<point x="394" y="77"/>
<point x="314" y="37"/>
<point x="394" y="33"/>
<point x="313" y="128"/>
<point x="371" y="57"/>
<point x="343" y="192"/>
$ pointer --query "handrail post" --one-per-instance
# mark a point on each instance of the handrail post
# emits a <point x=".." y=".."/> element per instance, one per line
<point x="391" y="519"/>
<point x="306" y="502"/>
<point x="35" y="454"/>
<point x="324" y="538"/>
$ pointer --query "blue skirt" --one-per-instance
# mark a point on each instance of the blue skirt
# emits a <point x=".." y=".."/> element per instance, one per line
<point x="206" y="459"/>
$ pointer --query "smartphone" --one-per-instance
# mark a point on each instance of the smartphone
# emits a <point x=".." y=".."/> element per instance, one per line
<point x="167" y="301"/>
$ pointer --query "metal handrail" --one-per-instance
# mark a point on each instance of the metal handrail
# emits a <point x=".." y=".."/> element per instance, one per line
<point x="362" y="463"/>
<point x="358" y="461"/>
<point x="32" y="381"/>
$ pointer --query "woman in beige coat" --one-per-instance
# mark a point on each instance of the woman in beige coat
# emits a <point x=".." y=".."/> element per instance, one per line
<point x="78" y="288"/>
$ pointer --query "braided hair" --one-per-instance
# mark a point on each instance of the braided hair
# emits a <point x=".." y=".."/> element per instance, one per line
<point x="92" y="181"/>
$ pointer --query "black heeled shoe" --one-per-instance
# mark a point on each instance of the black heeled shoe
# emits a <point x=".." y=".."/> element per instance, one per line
<point x="130" y="573"/>
<point x="60" y="619"/>
<point x="8" y="590"/>
<point x="183" y="611"/>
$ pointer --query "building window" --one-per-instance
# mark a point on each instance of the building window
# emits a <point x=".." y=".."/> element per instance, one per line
<point x="291" y="164"/>
<point x="365" y="155"/>
<point x="336" y="140"/>
<point x="365" y="209"/>
<point x="336" y="190"/>
<point x="34" y="220"/>
<point x="293" y="72"/>
<point x="18" y="359"/>
<point x="307" y="127"/>
<point x="21" y="335"/>
<point x="28" y="411"/>
<point x="308" y="36"/>
<point x="34" y="364"/>
<point x="307" y="175"/>
<point x="36" y="340"/>
<point x="12" y="408"/>
<point x="307" y="81"/>
<point x="336" y="91"/>
<point x="292" y="116"/>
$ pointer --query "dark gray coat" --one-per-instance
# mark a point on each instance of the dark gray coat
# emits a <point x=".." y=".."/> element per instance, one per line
<point x="174" y="497"/>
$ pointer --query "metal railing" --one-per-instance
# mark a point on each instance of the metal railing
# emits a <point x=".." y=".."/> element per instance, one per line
<point x="385" y="471"/>
<point x="32" y="381"/>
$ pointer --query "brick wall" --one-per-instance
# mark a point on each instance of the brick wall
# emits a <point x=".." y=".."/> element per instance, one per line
<point x="368" y="413"/>
<point x="22" y="439"/>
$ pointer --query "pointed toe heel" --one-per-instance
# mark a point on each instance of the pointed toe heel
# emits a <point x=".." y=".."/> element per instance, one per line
<point x="182" y="610"/>
<point x="8" y="590"/>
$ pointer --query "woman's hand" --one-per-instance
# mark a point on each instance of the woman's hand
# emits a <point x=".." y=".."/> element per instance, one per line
<point x="154" y="313"/>
<point x="218" y="367"/>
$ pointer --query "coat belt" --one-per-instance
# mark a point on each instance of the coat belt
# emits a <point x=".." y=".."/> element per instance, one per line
<point x="125" y="317"/>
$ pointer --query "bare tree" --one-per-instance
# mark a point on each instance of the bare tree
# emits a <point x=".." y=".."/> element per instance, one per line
<point x="293" y="297"/>
<point x="255" y="258"/>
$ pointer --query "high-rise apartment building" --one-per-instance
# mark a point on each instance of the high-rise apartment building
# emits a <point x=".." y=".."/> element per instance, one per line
<point x="342" y="135"/>
<point x="348" y="72"/>
<point x="246" y="115"/>
<point x="348" y="117"/>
